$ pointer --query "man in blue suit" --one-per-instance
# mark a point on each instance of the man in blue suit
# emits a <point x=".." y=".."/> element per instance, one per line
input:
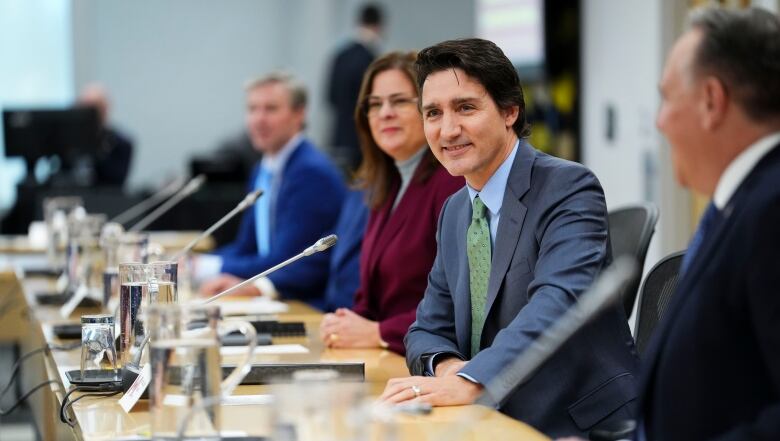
<point x="303" y="194"/>
<point x="516" y="248"/>
<point x="712" y="369"/>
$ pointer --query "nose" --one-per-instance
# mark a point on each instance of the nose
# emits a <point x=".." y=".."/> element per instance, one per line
<point x="450" y="126"/>
<point x="387" y="110"/>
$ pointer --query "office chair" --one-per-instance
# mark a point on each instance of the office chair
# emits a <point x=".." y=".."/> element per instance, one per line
<point x="630" y="231"/>
<point x="656" y="293"/>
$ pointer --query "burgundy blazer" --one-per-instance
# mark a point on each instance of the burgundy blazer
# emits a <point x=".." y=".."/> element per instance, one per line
<point x="398" y="252"/>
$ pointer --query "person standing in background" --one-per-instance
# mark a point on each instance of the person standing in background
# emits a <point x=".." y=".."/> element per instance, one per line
<point x="346" y="72"/>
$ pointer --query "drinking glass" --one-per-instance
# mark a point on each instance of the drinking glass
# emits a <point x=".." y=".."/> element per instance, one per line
<point x="186" y="369"/>
<point x="162" y="282"/>
<point x="98" y="355"/>
<point x="133" y="294"/>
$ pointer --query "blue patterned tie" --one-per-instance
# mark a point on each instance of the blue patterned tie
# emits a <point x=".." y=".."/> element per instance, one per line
<point x="478" y="250"/>
<point x="708" y="219"/>
<point x="263" y="211"/>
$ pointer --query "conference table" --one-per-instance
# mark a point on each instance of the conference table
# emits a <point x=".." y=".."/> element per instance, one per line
<point x="102" y="418"/>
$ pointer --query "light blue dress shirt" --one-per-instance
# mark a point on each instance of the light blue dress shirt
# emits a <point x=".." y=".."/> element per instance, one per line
<point x="492" y="194"/>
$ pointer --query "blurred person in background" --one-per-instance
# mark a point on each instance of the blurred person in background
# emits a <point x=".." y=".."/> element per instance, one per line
<point x="302" y="196"/>
<point x="346" y="73"/>
<point x="111" y="163"/>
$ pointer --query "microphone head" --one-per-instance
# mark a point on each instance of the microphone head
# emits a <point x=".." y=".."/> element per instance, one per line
<point x="321" y="245"/>
<point x="252" y="197"/>
<point x="196" y="183"/>
<point x="325" y="243"/>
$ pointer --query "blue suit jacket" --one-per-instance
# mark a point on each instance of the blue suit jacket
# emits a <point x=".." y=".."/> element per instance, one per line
<point x="712" y="369"/>
<point x="306" y="208"/>
<point x="344" y="276"/>
<point x="552" y="241"/>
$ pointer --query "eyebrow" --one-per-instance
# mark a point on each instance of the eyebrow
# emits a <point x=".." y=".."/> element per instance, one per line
<point x="392" y="95"/>
<point x="454" y="102"/>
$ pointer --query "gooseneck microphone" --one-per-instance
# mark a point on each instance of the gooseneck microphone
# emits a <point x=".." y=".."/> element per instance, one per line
<point x="191" y="187"/>
<point x="247" y="202"/>
<point x="321" y="245"/>
<point x="141" y="207"/>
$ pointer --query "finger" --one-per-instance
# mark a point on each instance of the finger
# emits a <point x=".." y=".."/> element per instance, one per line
<point x="394" y="387"/>
<point x="402" y="396"/>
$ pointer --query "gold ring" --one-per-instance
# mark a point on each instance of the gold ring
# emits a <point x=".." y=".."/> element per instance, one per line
<point x="416" y="389"/>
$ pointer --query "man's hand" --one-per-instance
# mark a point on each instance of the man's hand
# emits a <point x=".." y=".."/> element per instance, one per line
<point x="347" y="329"/>
<point x="449" y="366"/>
<point x="450" y="390"/>
<point x="225" y="281"/>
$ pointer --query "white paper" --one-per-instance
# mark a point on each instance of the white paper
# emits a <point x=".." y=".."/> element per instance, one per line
<point x="261" y="305"/>
<point x="68" y="308"/>
<point x="247" y="400"/>
<point x="140" y="384"/>
<point x="268" y="350"/>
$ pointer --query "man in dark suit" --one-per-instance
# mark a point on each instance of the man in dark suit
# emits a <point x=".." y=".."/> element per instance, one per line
<point x="303" y="194"/>
<point x="712" y="369"/>
<point x="516" y="248"/>
<point x="346" y="75"/>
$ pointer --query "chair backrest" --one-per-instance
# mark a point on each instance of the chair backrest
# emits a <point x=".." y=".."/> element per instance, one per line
<point x="657" y="290"/>
<point x="630" y="231"/>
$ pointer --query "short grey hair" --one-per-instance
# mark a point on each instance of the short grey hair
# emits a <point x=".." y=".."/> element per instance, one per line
<point x="742" y="49"/>
<point x="297" y="90"/>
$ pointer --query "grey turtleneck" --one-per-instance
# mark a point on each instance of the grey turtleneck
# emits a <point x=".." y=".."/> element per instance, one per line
<point x="406" y="169"/>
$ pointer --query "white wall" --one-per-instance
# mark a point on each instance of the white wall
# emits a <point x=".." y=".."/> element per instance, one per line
<point x="175" y="69"/>
<point x="623" y="51"/>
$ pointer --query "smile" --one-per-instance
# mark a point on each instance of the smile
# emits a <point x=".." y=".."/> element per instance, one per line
<point x="456" y="147"/>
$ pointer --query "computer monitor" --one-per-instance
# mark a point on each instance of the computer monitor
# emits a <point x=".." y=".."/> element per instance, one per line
<point x="37" y="133"/>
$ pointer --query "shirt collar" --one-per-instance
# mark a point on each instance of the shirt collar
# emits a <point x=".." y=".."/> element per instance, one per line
<point x="275" y="163"/>
<point x="740" y="167"/>
<point x="492" y="194"/>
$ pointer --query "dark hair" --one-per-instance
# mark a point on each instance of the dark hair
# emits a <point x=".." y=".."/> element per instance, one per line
<point x="371" y="15"/>
<point x="377" y="170"/>
<point x="742" y="49"/>
<point x="483" y="61"/>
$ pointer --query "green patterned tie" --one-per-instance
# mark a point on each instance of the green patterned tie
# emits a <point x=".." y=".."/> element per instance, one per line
<point x="478" y="249"/>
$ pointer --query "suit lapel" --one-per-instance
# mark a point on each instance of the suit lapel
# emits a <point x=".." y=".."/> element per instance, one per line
<point x="684" y="291"/>
<point x="510" y="223"/>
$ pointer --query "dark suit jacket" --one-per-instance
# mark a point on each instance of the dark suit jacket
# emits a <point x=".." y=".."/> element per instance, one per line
<point x="398" y="251"/>
<point x="306" y="208"/>
<point x="712" y="369"/>
<point x="344" y="272"/>
<point x="552" y="241"/>
<point x="346" y="75"/>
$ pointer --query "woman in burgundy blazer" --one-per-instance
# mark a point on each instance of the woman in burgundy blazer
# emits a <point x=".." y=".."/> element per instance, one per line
<point x="406" y="189"/>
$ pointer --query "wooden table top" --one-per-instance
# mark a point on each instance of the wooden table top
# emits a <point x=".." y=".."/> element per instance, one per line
<point x="169" y="240"/>
<point x="103" y="418"/>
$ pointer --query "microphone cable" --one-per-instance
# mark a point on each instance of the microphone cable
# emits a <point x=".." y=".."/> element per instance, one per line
<point x="92" y="391"/>
<point x="18" y="363"/>
<point x="27" y="395"/>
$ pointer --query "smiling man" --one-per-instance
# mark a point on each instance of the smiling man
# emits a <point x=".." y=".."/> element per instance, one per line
<point x="516" y="247"/>
<point x="303" y="193"/>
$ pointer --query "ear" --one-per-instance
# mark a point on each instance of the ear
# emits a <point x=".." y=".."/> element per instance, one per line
<point x="510" y="115"/>
<point x="714" y="104"/>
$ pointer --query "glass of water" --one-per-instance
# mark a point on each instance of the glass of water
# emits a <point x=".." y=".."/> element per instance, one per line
<point x="187" y="372"/>
<point x="98" y="356"/>
<point x="133" y="294"/>
<point x="162" y="282"/>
